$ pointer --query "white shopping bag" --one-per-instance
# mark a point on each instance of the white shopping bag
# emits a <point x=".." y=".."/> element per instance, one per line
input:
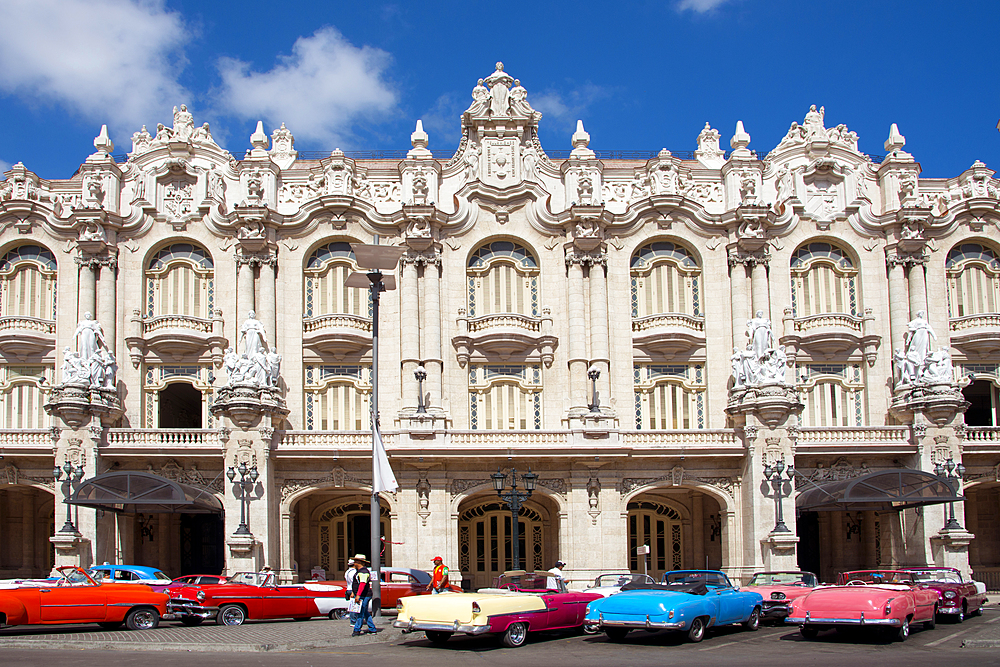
<point x="354" y="607"/>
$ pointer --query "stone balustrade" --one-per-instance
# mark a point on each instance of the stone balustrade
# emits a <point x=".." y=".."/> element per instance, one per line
<point x="804" y="325"/>
<point x="161" y="322"/>
<point x="27" y="324"/>
<point x="478" y="325"/>
<point x="39" y="439"/>
<point x="982" y="434"/>
<point x="163" y="437"/>
<point x="669" y="320"/>
<point x="291" y="441"/>
<point x="983" y="321"/>
<point x="336" y="321"/>
<point x="841" y="440"/>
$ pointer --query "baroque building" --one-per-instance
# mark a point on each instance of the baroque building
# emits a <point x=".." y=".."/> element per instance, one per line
<point x="651" y="334"/>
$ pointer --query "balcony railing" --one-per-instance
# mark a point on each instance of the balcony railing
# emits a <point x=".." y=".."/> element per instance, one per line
<point x="682" y="439"/>
<point x="828" y="320"/>
<point x="836" y="438"/>
<point x="176" y="322"/>
<point x="982" y="434"/>
<point x="26" y="438"/>
<point x="291" y="441"/>
<point x="487" y="323"/>
<point x="163" y="437"/>
<point x="27" y="324"/>
<point x="681" y="320"/>
<point x="982" y="321"/>
<point x="336" y="321"/>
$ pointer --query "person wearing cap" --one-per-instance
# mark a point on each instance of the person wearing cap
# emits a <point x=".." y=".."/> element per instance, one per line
<point x="439" y="578"/>
<point x="349" y="578"/>
<point x="361" y="588"/>
<point x="555" y="576"/>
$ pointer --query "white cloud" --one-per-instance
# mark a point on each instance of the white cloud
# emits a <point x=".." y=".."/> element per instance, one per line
<point x="321" y="91"/>
<point x="443" y="120"/>
<point x="567" y="106"/>
<point x="111" y="61"/>
<point x="4" y="166"/>
<point x="700" y="6"/>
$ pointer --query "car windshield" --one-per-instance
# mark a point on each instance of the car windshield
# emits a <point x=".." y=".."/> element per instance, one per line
<point x="622" y="579"/>
<point x="72" y="576"/>
<point x="160" y="576"/>
<point x="784" y="579"/>
<point x="938" y="576"/>
<point x="252" y="578"/>
<point x="530" y="581"/>
<point x="871" y="577"/>
<point x="710" y="579"/>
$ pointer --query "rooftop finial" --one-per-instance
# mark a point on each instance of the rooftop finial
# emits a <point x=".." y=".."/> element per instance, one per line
<point x="419" y="141"/>
<point x="102" y="142"/>
<point x="258" y="139"/>
<point x="740" y="139"/>
<point x="896" y="141"/>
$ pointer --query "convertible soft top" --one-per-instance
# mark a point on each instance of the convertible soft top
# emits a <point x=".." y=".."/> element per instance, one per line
<point x="694" y="588"/>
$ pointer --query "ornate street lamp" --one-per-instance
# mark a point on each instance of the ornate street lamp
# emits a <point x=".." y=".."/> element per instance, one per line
<point x="73" y="475"/>
<point x="593" y="373"/>
<point x="248" y="477"/>
<point x="773" y="475"/>
<point x="421" y="375"/>
<point x="514" y="499"/>
<point x="375" y="258"/>
<point x="950" y="471"/>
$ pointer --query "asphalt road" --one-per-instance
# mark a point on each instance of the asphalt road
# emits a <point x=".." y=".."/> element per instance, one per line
<point x="771" y="646"/>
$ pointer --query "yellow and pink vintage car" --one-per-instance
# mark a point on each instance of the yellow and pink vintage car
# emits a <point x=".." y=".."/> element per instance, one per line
<point x="518" y="603"/>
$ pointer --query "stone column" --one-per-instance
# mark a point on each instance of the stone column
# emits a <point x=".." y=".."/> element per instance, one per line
<point x="409" y="329"/>
<point x="108" y="312"/>
<point x="287" y="573"/>
<point x="918" y="287"/>
<point x="87" y="302"/>
<point x="577" y="333"/>
<point x="268" y="298"/>
<point x="759" y="286"/>
<point x="698" y="529"/>
<point x="28" y="533"/>
<point x="431" y="340"/>
<point x="244" y="291"/>
<point x="599" y="349"/>
<point x="741" y="311"/>
<point x="898" y="304"/>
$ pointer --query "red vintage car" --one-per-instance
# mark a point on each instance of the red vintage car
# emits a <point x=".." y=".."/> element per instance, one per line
<point x="960" y="598"/>
<point x="884" y="599"/>
<point x="74" y="597"/>
<point x="778" y="590"/>
<point x="255" y="595"/>
<point x="400" y="582"/>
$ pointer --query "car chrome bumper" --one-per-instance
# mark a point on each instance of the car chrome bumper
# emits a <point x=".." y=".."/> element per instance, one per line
<point x="949" y="610"/>
<point x="645" y="625"/>
<point x="778" y="610"/>
<point x="185" y="610"/>
<point x="815" y="620"/>
<point x="412" y="625"/>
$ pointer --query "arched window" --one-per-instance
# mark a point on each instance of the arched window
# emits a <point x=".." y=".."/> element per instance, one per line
<point x="180" y="280"/>
<point x="505" y="397"/>
<point x="503" y="278"/>
<point x="325" y="292"/>
<point x="21" y="396"/>
<point x="973" y="280"/>
<point x="833" y="394"/>
<point x="658" y="526"/>
<point x="345" y="530"/>
<point x="824" y="280"/>
<point x="28" y="283"/>
<point x="665" y="279"/>
<point x="337" y="397"/>
<point x="669" y="396"/>
<point x="485" y="537"/>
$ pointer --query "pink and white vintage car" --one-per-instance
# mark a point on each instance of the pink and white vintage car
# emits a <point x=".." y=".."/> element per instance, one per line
<point x="778" y="590"/>
<point x="888" y="600"/>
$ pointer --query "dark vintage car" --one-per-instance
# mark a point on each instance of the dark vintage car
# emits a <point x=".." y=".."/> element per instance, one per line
<point x="75" y="597"/>
<point x="960" y="598"/>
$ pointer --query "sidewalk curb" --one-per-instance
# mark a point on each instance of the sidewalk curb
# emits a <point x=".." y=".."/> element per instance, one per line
<point x="981" y="643"/>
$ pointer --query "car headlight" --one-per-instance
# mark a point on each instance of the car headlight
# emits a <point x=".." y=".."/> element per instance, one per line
<point x="200" y="596"/>
<point x="950" y="595"/>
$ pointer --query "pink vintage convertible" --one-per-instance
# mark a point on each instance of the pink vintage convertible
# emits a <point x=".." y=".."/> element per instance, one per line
<point x="888" y="600"/>
<point x="778" y="590"/>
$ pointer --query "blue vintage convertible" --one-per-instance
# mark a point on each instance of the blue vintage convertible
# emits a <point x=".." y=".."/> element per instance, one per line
<point x="688" y="601"/>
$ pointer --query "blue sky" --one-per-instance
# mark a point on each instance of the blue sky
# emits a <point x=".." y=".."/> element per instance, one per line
<point x="642" y="75"/>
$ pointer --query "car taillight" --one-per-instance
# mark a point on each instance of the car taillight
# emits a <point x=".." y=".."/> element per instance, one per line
<point x="888" y="607"/>
<point x="399" y="605"/>
<point x="475" y="608"/>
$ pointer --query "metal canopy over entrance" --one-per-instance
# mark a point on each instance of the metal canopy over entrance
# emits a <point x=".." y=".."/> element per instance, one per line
<point x="879" y="491"/>
<point x="135" y="492"/>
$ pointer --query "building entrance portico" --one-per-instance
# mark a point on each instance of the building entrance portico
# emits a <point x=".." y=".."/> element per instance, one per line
<point x="681" y="527"/>
<point x="329" y="528"/>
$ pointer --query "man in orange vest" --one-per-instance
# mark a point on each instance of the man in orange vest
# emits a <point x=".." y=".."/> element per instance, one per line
<point x="439" y="578"/>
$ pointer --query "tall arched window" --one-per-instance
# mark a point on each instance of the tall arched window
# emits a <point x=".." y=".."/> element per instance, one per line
<point x="505" y="397"/>
<point x="669" y="396"/>
<point x="485" y="537"/>
<point x="325" y="292"/>
<point x="345" y="529"/>
<point x="21" y="396"/>
<point x="973" y="280"/>
<point x="28" y="283"/>
<point x="180" y="280"/>
<point x="824" y="280"/>
<point x="833" y="394"/>
<point x="665" y="279"/>
<point x="657" y="526"/>
<point x="337" y="397"/>
<point x="503" y="278"/>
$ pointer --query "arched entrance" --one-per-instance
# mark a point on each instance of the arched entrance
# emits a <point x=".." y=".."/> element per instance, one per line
<point x="180" y="406"/>
<point x="682" y="528"/>
<point x="329" y="528"/>
<point x="27" y="520"/>
<point x="834" y="542"/>
<point x="982" y="504"/>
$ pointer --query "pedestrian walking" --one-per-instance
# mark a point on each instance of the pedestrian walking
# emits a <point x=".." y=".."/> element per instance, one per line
<point x="439" y="578"/>
<point x="349" y="578"/>
<point x="362" y="590"/>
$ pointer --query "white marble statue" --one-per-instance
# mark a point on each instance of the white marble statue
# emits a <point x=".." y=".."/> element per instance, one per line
<point x="273" y="368"/>
<point x="89" y="336"/>
<point x="762" y="362"/>
<point x="918" y="339"/>
<point x="760" y="335"/>
<point x="252" y="336"/>
<point x="937" y="367"/>
<point x="74" y="371"/>
<point x="257" y="365"/>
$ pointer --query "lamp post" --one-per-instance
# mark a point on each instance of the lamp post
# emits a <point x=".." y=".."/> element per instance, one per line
<point x="73" y="474"/>
<point x="773" y="475"/>
<point x="375" y="258"/>
<point x="248" y="477"/>
<point x="514" y="499"/>
<point x="593" y="373"/>
<point x="421" y="375"/>
<point x="950" y="471"/>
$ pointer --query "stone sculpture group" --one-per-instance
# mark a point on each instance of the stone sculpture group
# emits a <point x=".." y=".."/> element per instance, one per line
<point x="257" y="366"/>
<point x="915" y="362"/>
<point x="91" y="364"/>
<point x="762" y="362"/>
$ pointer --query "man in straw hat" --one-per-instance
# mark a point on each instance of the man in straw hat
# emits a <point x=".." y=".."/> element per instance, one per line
<point x="362" y="594"/>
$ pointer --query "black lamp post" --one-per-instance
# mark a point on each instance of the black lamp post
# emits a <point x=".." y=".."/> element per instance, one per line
<point x="593" y="373"/>
<point x="73" y="474"/>
<point x="248" y="476"/>
<point x="950" y="471"/>
<point x="514" y="499"/>
<point x="773" y="475"/>
<point x="421" y="375"/>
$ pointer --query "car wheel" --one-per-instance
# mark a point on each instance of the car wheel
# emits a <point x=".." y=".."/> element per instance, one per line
<point x="191" y="621"/>
<point x="931" y="624"/>
<point x="978" y="611"/>
<point x="437" y="636"/>
<point x="960" y="616"/>
<point x="753" y="622"/>
<point x="904" y="631"/>
<point x="697" y="630"/>
<point x="231" y="614"/>
<point x="516" y="635"/>
<point x="337" y="614"/>
<point x="111" y="625"/>
<point x="143" y="618"/>
<point x="591" y="629"/>
<point x="616" y="634"/>
<point x="808" y="633"/>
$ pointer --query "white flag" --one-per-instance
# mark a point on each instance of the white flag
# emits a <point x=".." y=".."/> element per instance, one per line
<point x="384" y="479"/>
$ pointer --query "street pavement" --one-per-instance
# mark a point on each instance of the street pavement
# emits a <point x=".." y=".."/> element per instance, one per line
<point x="321" y="642"/>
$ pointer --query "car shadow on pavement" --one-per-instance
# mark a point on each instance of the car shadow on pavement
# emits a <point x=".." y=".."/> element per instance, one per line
<point x="848" y="636"/>
<point x="481" y="644"/>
